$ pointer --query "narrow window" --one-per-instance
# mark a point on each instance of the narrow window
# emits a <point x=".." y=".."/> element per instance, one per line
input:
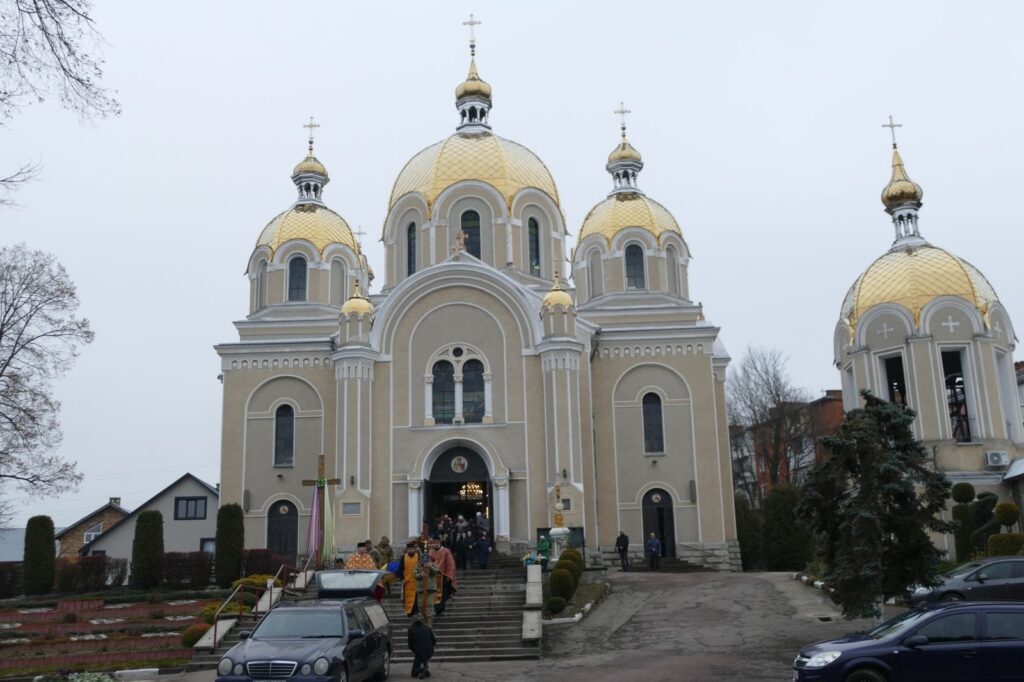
<point x="261" y="285"/>
<point x="284" y="436"/>
<point x="956" y="395"/>
<point x="471" y="226"/>
<point x="444" y="392"/>
<point x="594" y="275"/>
<point x="534" y="236"/>
<point x="337" y="282"/>
<point x="635" y="267"/>
<point x="654" y="439"/>
<point x="410" y="249"/>
<point x="672" y="263"/>
<point x="297" y="279"/>
<point x="896" y="384"/>
<point x="473" y="392"/>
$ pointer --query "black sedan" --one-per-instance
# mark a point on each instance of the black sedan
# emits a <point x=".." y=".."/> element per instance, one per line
<point x="313" y="641"/>
<point x="991" y="579"/>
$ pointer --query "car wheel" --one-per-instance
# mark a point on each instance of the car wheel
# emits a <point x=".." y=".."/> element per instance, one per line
<point x="385" y="668"/>
<point x="865" y="675"/>
<point x="952" y="596"/>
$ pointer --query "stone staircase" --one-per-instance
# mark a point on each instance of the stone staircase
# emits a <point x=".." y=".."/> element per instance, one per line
<point x="667" y="564"/>
<point x="204" y="660"/>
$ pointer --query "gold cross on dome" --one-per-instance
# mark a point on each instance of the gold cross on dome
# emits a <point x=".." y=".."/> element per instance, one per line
<point x="892" y="129"/>
<point x="312" y="126"/>
<point x="472" y="35"/>
<point x="622" y="111"/>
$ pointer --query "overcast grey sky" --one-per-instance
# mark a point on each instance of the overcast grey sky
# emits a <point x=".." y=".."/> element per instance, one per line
<point x="759" y="124"/>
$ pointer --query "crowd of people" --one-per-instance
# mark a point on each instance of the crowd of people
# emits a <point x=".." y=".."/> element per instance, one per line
<point x="468" y="540"/>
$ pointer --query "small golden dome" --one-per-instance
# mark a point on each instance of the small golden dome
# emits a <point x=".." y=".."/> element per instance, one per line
<point x="507" y="166"/>
<point x="310" y="164"/>
<point x="623" y="210"/>
<point x="624" y="152"/>
<point x="901" y="189"/>
<point x="316" y="224"/>
<point x="473" y="86"/>
<point x="357" y="303"/>
<point x="557" y="295"/>
<point x="913" y="277"/>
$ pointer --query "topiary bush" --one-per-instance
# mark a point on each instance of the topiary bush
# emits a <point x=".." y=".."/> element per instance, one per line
<point x="985" y="522"/>
<point x="193" y="633"/>
<point x="788" y="545"/>
<point x="40" y="556"/>
<point x="1005" y="544"/>
<point x="556" y="605"/>
<point x="963" y="493"/>
<point x="1007" y="514"/>
<point x="561" y="584"/>
<point x="230" y="541"/>
<point x="748" y="533"/>
<point x="574" y="556"/>
<point x="571" y="566"/>
<point x="962" y="534"/>
<point x="148" y="550"/>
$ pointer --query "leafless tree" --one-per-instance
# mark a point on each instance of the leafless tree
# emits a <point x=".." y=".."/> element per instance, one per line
<point x="49" y="49"/>
<point x="40" y="337"/>
<point x="768" y="423"/>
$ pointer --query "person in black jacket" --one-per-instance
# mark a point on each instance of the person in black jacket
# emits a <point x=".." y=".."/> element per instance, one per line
<point x="622" y="547"/>
<point x="421" y="644"/>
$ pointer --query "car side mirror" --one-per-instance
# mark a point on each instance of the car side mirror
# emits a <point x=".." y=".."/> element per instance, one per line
<point x="982" y="577"/>
<point x="355" y="634"/>
<point x="915" y="641"/>
<point x="244" y="634"/>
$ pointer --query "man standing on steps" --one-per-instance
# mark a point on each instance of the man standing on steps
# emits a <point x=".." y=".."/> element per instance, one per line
<point x="361" y="560"/>
<point x="622" y="547"/>
<point x="407" y="566"/>
<point x="442" y="557"/>
<point x="653" y="548"/>
<point x="483" y="549"/>
<point x="421" y="644"/>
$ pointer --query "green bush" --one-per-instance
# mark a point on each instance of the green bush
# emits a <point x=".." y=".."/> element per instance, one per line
<point x="193" y="633"/>
<point x="963" y="493"/>
<point x="962" y="534"/>
<point x="748" y="533"/>
<point x="1007" y="513"/>
<point x="561" y="584"/>
<point x="788" y="545"/>
<point x="1005" y="544"/>
<point x="148" y="550"/>
<point x="985" y="522"/>
<point x="574" y="570"/>
<point x="574" y="556"/>
<point x="65" y="575"/>
<point x="230" y="543"/>
<point x="230" y="611"/>
<point x="556" y="605"/>
<point x="40" y="556"/>
<point x="259" y="580"/>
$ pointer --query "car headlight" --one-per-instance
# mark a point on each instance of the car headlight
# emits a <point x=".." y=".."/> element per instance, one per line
<point x="821" y="659"/>
<point x="224" y="667"/>
<point x="239" y="669"/>
<point x="306" y="668"/>
<point x="321" y="665"/>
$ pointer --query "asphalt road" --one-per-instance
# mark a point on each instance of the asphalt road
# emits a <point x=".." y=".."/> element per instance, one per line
<point x="662" y="627"/>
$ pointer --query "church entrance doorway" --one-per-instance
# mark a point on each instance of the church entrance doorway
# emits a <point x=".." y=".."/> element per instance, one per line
<point x="459" y="484"/>
<point x="283" y="530"/>
<point x="660" y="520"/>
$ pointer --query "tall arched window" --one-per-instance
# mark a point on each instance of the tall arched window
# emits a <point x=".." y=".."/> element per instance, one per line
<point x="471" y="226"/>
<point x="338" y="293"/>
<point x="284" y="436"/>
<point x="261" y="285"/>
<point x="595" y="278"/>
<point x="534" y="238"/>
<point x="654" y="436"/>
<point x="444" y="392"/>
<point x="410" y="249"/>
<point x="473" y="407"/>
<point x="672" y="263"/>
<point x="297" y="279"/>
<point x="635" y="267"/>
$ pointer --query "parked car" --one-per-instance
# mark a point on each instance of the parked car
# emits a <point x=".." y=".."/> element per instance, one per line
<point x="956" y="641"/>
<point x="345" y="584"/>
<point x="992" y="579"/>
<point x="318" y="640"/>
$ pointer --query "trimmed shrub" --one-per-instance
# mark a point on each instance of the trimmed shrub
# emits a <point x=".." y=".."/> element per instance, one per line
<point x="261" y="561"/>
<point x="187" y="569"/>
<point x="40" y="555"/>
<point x="574" y="556"/>
<point x="556" y="605"/>
<point x="561" y="584"/>
<point x="571" y="566"/>
<point x="748" y="533"/>
<point x="230" y="541"/>
<point x="148" y="550"/>
<point x="247" y="598"/>
<point x="788" y="545"/>
<point x="193" y="633"/>
<point x="92" y="573"/>
<point x="1007" y="513"/>
<point x="65" y="575"/>
<point x="985" y="523"/>
<point x="259" y="580"/>
<point x="963" y="493"/>
<point x="1005" y="544"/>
<point x="962" y="534"/>
<point x="10" y="579"/>
<point x="230" y="611"/>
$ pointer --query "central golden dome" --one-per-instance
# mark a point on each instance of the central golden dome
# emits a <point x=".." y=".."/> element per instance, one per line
<point x="620" y="211"/>
<point x="316" y="224"/>
<point x="507" y="166"/>
<point x="912" y="277"/>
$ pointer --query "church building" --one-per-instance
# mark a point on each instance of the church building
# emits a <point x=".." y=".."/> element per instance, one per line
<point x="924" y="328"/>
<point x="477" y="380"/>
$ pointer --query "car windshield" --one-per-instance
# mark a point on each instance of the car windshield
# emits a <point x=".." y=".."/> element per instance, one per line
<point x="963" y="570"/>
<point x="897" y="625"/>
<point x="299" y="623"/>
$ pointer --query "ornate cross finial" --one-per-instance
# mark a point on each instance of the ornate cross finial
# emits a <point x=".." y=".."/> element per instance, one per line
<point x="622" y="111"/>
<point x="892" y="129"/>
<point x="312" y="126"/>
<point x="472" y="34"/>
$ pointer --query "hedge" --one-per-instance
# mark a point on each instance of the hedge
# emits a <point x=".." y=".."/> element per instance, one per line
<point x="187" y="569"/>
<point x="40" y="555"/>
<point x="193" y="633"/>
<point x="230" y="541"/>
<point x="148" y="549"/>
<point x="1005" y="544"/>
<point x="561" y="584"/>
<point x="261" y="561"/>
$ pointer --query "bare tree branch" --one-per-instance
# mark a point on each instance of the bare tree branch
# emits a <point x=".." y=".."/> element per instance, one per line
<point x="15" y="180"/>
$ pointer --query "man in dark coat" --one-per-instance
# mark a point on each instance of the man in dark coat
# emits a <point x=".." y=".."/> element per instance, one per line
<point x="421" y="644"/>
<point x="622" y="547"/>
<point x="653" y="548"/>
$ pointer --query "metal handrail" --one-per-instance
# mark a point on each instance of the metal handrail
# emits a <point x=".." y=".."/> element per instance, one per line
<point x="241" y="608"/>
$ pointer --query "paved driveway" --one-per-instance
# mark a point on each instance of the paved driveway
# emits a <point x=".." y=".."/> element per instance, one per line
<point x="654" y="627"/>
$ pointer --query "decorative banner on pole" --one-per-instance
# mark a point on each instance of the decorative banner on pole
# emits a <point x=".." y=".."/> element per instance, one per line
<point x="313" y="533"/>
<point x="328" y="541"/>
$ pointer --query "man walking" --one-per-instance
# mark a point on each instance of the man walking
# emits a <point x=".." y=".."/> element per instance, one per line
<point x="653" y="548"/>
<point x="622" y="547"/>
<point x="442" y="558"/>
<point x="421" y="644"/>
<point x="361" y="560"/>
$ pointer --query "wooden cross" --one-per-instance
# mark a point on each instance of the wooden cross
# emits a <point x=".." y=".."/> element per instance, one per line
<point x="472" y="36"/>
<point x="321" y="482"/>
<point x="892" y="129"/>
<point x="312" y="126"/>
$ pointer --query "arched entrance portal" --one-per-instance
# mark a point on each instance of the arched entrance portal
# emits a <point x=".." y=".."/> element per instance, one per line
<point x="283" y="530"/>
<point x="660" y="520"/>
<point x="459" y="483"/>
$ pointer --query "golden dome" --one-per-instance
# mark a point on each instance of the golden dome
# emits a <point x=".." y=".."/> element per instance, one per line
<point x="620" y="211"/>
<point x="316" y="224"/>
<point x="507" y="166"/>
<point x="901" y="189"/>
<point x="557" y="295"/>
<point x="473" y="86"/>
<point x="310" y="164"/>
<point x="357" y="303"/>
<point x="912" y="277"/>
<point x="624" y="152"/>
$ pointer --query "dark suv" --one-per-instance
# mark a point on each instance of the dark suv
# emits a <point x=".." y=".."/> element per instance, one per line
<point x="956" y="641"/>
<point x="998" y="578"/>
<point x="318" y="641"/>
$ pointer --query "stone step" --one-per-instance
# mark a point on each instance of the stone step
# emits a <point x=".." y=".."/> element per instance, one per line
<point x="501" y="654"/>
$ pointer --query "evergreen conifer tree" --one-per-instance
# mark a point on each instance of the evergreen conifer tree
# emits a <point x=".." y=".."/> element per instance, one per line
<point x="40" y="556"/>
<point x="230" y="544"/>
<point x="148" y="550"/>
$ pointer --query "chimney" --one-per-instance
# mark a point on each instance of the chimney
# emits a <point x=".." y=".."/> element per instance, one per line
<point x="115" y="500"/>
